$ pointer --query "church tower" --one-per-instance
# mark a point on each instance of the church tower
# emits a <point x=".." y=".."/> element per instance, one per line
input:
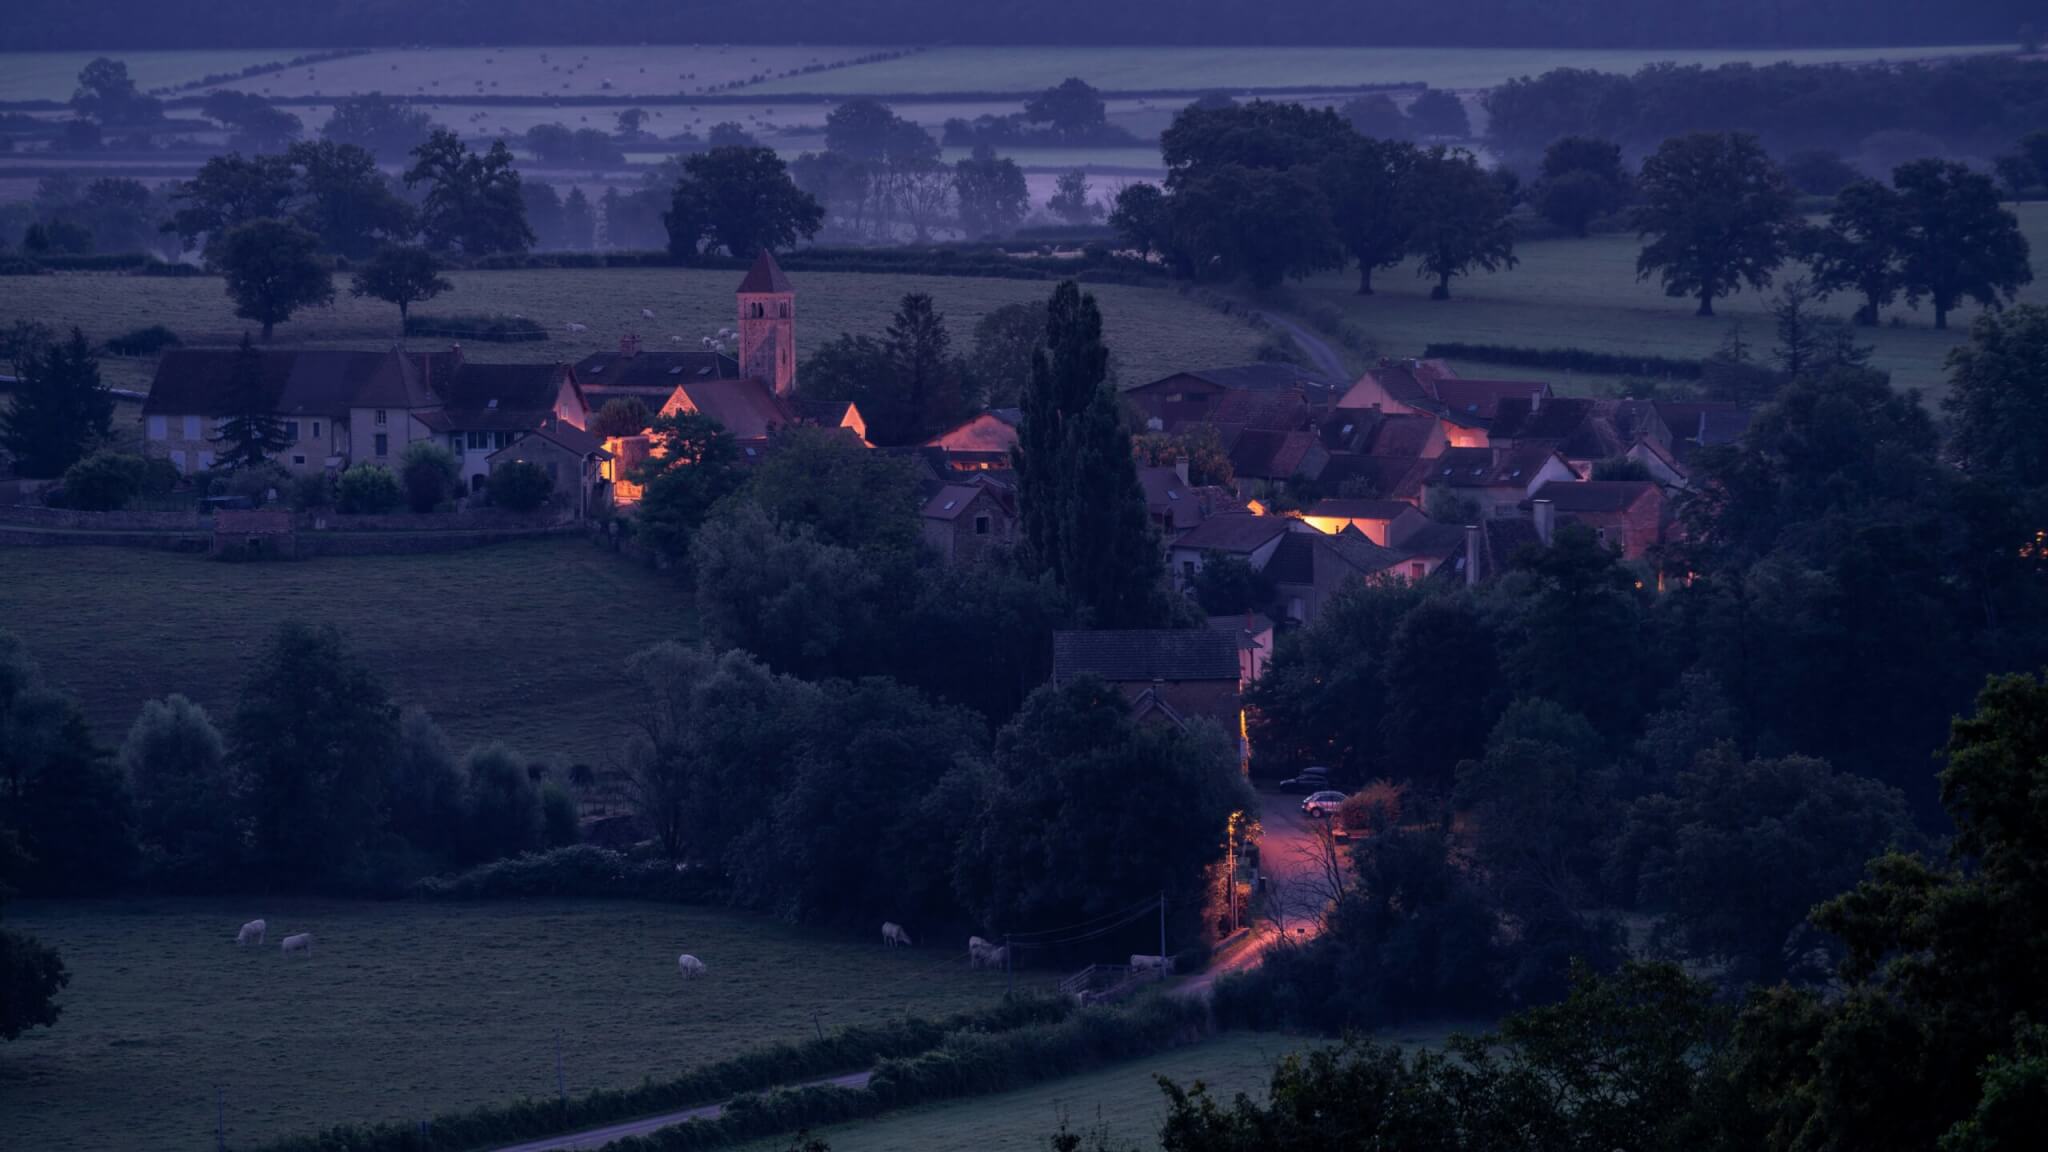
<point x="768" y="326"/>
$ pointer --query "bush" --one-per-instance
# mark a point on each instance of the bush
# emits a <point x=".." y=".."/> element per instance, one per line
<point x="367" y="489"/>
<point x="314" y="490"/>
<point x="105" y="481"/>
<point x="1570" y="359"/>
<point x="493" y="328"/>
<point x="520" y="486"/>
<point x="256" y="484"/>
<point x="624" y="416"/>
<point x="581" y="870"/>
<point x="429" y="472"/>
<point x="144" y="341"/>
<point x="559" y="824"/>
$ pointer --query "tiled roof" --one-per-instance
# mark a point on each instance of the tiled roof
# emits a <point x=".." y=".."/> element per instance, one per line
<point x="1517" y="418"/>
<point x="654" y="369"/>
<point x="1233" y="532"/>
<point x="1273" y="455"/>
<point x="1245" y="628"/>
<point x="1488" y="467"/>
<point x="765" y="276"/>
<point x="991" y="431"/>
<point x="1294" y="561"/>
<point x="951" y="502"/>
<point x="487" y="389"/>
<point x="747" y="408"/>
<point x="1584" y="496"/>
<point x="568" y="436"/>
<point x="309" y="382"/>
<point x="1254" y="377"/>
<point x="1381" y="474"/>
<point x="1348" y="508"/>
<point x="1481" y="399"/>
<point x="1145" y="655"/>
<point x="198" y="381"/>
<point x="1354" y="549"/>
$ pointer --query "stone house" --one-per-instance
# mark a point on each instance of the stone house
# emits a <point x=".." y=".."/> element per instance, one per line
<point x="965" y="521"/>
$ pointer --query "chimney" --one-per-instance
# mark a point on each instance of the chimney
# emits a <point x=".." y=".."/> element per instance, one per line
<point x="629" y="345"/>
<point x="1545" y="514"/>
<point x="1180" y="469"/>
<point x="1471" y="555"/>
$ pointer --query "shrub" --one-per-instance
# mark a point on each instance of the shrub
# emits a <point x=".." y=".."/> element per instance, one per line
<point x="256" y="484"/>
<point x="315" y="490"/>
<point x="367" y="489"/>
<point x="496" y="329"/>
<point x="625" y="416"/>
<point x="104" y="481"/>
<point x="580" y="870"/>
<point x="429" y="472"/>
<point x="144" y="341"/>
<point x="520" y="486"/>
<point x="559" y="824"/>
<point x="1571" y="359"/>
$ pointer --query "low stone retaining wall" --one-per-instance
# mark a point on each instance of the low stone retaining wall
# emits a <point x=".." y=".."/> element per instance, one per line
<point x="414" y="543"/>
<point x="104" y="521"/>
<point x="476" y="519"/>
<point x="11" y="537"/>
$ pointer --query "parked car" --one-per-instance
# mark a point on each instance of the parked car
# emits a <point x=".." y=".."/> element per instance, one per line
<point x="1310" y="780"/>
<point x="1323" y="804"/>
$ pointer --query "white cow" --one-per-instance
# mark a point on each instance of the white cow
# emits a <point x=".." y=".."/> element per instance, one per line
<point x="303" y="942"/>
<point x="255" y="930"/>
<point x="689" y="966"/>
<point x="893" y="935"/>
<point x="579" y="327"/>
<point x="1160" y="964"/>
<point x="647" y="313"/>
<point x="983" y="954"/>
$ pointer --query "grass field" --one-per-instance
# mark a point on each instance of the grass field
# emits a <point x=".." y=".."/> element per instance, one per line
<point x="1019" y="69"/>
<point x="53" y="75"/>
<point x="1151" y="331"/>
<point x="120" y="626"/>
<point x="408" y="1010"/>
<point x="1583" y="293"/>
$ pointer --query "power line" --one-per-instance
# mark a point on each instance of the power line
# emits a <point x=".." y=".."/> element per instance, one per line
<point x="1142" y="905"/>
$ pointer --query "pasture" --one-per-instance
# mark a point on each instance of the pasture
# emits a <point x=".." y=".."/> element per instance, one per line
<point x="408" y="1010"/>
<point x="1151" y="331"/>
<point x="1584" y="293"/>
<point x="53" y="75"/>
<point x="520" y="642"/>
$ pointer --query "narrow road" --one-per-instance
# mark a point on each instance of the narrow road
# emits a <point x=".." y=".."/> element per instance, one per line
<point x="1323" y="356"/>
<point x="1294" y="861"/>
<point x="598" y="1137"/>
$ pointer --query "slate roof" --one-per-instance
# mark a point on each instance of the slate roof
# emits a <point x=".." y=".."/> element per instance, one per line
<point x="654" y="369"/>
<point x="1487" y="467"/>
<point x="1586" y="496"/>
<point x="1236" y="626"/>
<point x="1294" y="561"/>
<point x="485" y="389"/>
<point x="952" y="501"/>
<point x="1355" y="549"/>
<point x="765" y="276"/>
<point x="302" y="382"/>
<point x="1145" y="655"/>
<point x="197" y="381"/>
<point x="1233" y="532"/>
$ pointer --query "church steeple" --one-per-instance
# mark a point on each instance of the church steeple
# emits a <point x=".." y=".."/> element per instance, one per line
<point x="768" y="325"/>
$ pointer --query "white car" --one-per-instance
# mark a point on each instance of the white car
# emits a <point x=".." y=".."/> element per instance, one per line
<point x="1323" y="803"/>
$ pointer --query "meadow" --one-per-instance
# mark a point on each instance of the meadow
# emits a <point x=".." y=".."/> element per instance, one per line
<point x="53" y="75"/>
<point x="1584" y="293"/>
<point x="1152" y="331"/>
<point x="520" y="642"/>
<point x="407" y="1010"/>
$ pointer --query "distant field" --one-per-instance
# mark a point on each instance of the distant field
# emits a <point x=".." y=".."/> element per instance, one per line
<point x="1151" y="331"/>
<point x="53" y="75"/>
<point x="1125" y="1100"/>
<point x="1583" y="293"/>
<point x="980" y="69"/>
<point x="119" y="627"/>
<point x="409" y="1010"/>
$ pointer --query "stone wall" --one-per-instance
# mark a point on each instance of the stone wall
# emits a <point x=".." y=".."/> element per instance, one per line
<point x="72" y="518"/>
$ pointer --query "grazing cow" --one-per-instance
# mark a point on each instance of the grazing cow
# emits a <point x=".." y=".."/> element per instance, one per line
<point x="303" y="942"/>
<point x="1160" y="964"/>
<point x="689" y="966"/>
<point x="579" y="327"/>
<point x="893" y="935"/>
<point x="982" y="954"/>
<point x="255" y="930"/>
<point x="647" y="313"/>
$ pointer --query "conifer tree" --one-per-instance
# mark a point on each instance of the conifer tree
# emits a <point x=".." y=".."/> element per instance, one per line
<point x="252" y="433"/>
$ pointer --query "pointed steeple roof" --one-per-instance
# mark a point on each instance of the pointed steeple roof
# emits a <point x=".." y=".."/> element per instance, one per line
<point x="766" y="276"/>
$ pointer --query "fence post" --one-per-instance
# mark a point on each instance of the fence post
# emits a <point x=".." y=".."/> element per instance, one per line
<point x="1162" y="934"/>
<point x="220" y="1119"/>
<point x="561" y="1084"/>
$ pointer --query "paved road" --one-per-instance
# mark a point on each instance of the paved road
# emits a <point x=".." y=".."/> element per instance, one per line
<point x="598" y="1137"/>
<point x="1323" y="356"/>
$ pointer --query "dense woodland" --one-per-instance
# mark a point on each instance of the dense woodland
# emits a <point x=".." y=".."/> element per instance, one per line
<point x="1577" y="23"/>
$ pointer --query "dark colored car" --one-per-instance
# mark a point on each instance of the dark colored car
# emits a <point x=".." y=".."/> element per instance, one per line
<point x="1310" y="780"/>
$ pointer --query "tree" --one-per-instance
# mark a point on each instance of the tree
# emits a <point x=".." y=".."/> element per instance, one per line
<point x="1263" y="224"/>
<point x="229" y="191"/>
<point x="740" y="199"/>
<point x="860" y="129"/>
<point x="273" y="270"/>
<point x="430" y="474"/>
<point x="1230" y="586"/>
<point x="424" y="788"/>
<point x="1142" y="215"/>
<point x="579" y="222"/>
<point x="62" y="801"/>
<point x="107" y="95"/>
<point x="1053" y="843"/>
<point x="401" y="276"/>
<point x="1860" y="249"/>
<point x="346" y="200"/>
<point x="1439" y="113"/>
<point x="621" y="416"/>
<point x="1370" y="187"/>
<point x="1375" y="116"/>
<point x="692" y="464"/>
<point x="1465" y="224"/>
<point x="805" y="606"/>
<point x="385" y="127"/>
<point x="1818" y="172"/>
<point x="1740" y="851"/>
<point x="104" y="481"/>
<point x="473" y="202"/>
<point x="992" y="194"/>
<point x="1069" y="199"/>
<point x="367" y="490"/>
<point x="310" y="738"/>
<point x="1998" y="398"/>
<point x="1440" y="687"/>
<point x="60" y="409"/>
<point x="176" y="765"/>
<point x="256" y="123"/>
<point x="847" y="494"/>
<point x="1582" y="180"/>
<point x="251" y="434"/>
<point x="1721" y="213"/>
<point x="31" y="974"/>
<point x="1958" y="242"/>
<point x="1084" y="513"/>
<point x="1073" y="110"/>
<point x="730" y="135"/>
<point x="501" y="808"/>
<point x="929" y="388"/>
<point x="1808" y="341"/>
<point x="520" y="486"/>
<point x="2025" y="171"/>
<point x="1004" y="342"/>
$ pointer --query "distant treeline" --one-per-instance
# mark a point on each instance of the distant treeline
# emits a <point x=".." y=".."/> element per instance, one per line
<point x="311" y="24"/>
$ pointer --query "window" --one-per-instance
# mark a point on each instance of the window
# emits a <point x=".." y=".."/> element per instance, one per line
<point x="298" y="459"/>
<point x="380" y="417"/>
<point x="291" y="430"/>
<point x="316" y="429"/>
<point x="982" y="527"/>
<point x="785" y="310"/>
<point x="383" y="444"/>
<point x="156" y="428"/>
<point x="478" y="441"/>
<point x="192" y="428"/>
<point x="1187" y="569"/>
<point x="455" y="443"/>
<point x="1418" y="570"/>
